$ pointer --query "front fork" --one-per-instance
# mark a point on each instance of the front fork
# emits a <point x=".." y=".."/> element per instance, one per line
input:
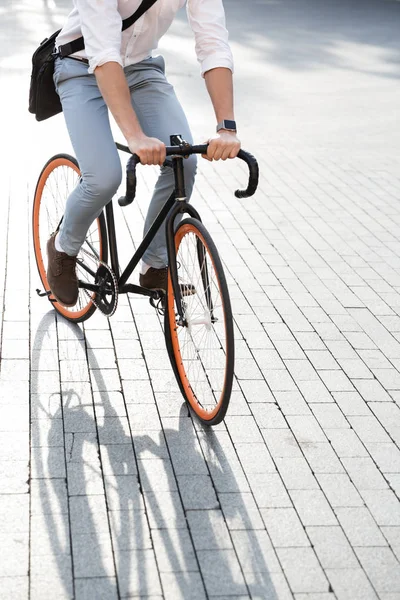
<point x="180" y="207"/>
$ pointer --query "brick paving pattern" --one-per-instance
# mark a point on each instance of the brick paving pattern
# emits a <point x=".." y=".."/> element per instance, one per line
<point x="108" y="488"/>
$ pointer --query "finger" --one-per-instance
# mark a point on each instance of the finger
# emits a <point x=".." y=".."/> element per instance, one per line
<point x="163" y="154"/>
<point x="226" y="153"/>
<point x="206" y="157"/>
<point x="218" y="152"/>
<point x="211" y="150"/>
<point x="235" y="151"/>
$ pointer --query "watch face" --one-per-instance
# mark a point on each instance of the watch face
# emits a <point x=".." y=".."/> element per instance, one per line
<point x="230" y="125"/>
<point x="227" y="124"/>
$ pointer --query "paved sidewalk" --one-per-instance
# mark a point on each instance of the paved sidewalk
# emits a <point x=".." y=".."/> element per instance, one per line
<point x="108" y="489"/>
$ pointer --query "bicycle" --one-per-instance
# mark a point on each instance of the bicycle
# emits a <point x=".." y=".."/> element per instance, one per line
<point x="198" y="324"/>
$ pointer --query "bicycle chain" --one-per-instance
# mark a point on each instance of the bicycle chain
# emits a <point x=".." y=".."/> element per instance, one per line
<point x="114" y="282"/>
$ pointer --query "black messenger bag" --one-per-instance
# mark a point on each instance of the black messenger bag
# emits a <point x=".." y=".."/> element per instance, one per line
<point x="44" y="102"/>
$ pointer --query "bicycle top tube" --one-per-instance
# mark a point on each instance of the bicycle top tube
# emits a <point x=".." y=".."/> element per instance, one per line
<point x="184" y="149"/>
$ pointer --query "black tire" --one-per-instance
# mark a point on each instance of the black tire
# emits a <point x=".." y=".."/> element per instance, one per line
<point x="48" y="208"/>
<point x="201" y="352"/>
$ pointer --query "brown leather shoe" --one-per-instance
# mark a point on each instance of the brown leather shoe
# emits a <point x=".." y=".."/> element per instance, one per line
<point x="156" y="279"/>
<point x="61" y="274"/>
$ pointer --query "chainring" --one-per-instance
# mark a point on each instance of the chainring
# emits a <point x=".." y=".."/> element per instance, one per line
<point x="106" y="299"/>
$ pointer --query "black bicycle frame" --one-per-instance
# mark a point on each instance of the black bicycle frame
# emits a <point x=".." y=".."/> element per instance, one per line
<point x="175" y="205"/>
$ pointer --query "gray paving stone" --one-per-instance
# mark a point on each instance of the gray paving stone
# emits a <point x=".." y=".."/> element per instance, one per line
<point x="359" y="526"/>
<point x="255" y="553"/>
<point x="14" y="554"/>
<point x="384" y="506"/>
<point x="346" y="443"/>
<point x="84" y="480"/>
<point x="302" y="569"/>
<point x="386" y="456"/>
<point x="296" y="473"/>
<point x="321" y="458"/>
<point x="243" y="429"/>
<point x="351" y="584"/>
<point x="351" y="403"/>
<point x="88" y="515"/>
<point x="317" y="596"/>
<point x="255" y="458"/>
<point x="332" y="548"/>
<point x="221" y="572"/>
<point x="208" y="529"/>
<point x="292" y="403"/>
<point x="312" y="507"/>
<point x="364" y="474"/>
<point x="369" y="429"/>
<point x="123" y="492"/>
<point x="314" y="391"/>
<point x="267" y="416"/>
<point x="187" y="462"/>
<point x="268" y="359"/>
<point x="143" y="416"/>
<point x="14" y="513"/>
<point x="256" y="391"/>
<point x="179" y="586"/>
<point x="240" y="511"/>
<point x="309" y="340"/>
<point x="135" y="390"/>
<point x="268" y="490"/>
<point x="50" y="535"/>
<point x="281" y="443"/>
<point x="322" y="359"/>
<point x="143" y="579"/>
<point x="381" y="567"/>
<point x="339" y="490"/>
<point x="284" y="527"/>
<point x="164" y="510"/>
<point x="51" y="578"/>
<point x="92" y="555"/>
<point x="268" y="585"/>
<point x="174" y="551"/>
<point x="306" y="429"/>
<point x="14" y="587"/>
<point x="197" y="492"/>
<point x="301" y="370"/>
<point x="329" y="416"/>
<point x="372" y="391"/>
<point x="48" y="496"/>
<point x="103" y="588"/>
<point x="105" y="380"/>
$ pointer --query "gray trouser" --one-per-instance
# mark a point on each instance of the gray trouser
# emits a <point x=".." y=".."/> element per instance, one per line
<point x="160" y="115"/>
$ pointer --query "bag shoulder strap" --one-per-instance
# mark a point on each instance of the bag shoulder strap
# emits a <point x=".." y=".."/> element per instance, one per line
<point x="79" y="44"/>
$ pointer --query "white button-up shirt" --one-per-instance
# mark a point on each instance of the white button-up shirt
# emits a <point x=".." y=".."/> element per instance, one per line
<point x="99" y="21"/>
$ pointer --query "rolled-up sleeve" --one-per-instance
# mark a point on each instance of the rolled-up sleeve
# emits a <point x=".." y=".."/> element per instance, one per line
<point x="207" y="20"/>
<point x="101" y="28"/>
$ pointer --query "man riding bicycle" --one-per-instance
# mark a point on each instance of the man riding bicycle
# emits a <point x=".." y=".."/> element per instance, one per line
<point x="117" y="71"/>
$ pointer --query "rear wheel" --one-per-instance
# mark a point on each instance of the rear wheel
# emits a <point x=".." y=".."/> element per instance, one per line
<point x="58" y="178"/>
<point x="201" y="347"/>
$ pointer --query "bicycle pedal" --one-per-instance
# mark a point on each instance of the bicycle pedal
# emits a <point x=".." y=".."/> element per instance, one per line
<point x="43" y="294"/>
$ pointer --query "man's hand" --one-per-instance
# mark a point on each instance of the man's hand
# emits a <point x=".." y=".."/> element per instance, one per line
<point x="223" y="145"/>
<point x="151" y="151"/>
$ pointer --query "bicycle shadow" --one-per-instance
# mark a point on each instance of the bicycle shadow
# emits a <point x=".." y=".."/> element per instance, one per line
<point x="94" y="496"/>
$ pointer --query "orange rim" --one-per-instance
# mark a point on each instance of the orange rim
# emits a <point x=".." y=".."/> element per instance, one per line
<point x="54" y="164"/>
<point x="190" y="395"/>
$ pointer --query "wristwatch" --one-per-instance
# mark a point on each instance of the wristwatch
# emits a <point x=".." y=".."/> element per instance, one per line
<point x="227" y="125"/>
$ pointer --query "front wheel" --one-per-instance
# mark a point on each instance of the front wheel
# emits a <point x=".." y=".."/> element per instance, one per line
<point x="201" y="347"/>
<point x="58" y="178"/>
